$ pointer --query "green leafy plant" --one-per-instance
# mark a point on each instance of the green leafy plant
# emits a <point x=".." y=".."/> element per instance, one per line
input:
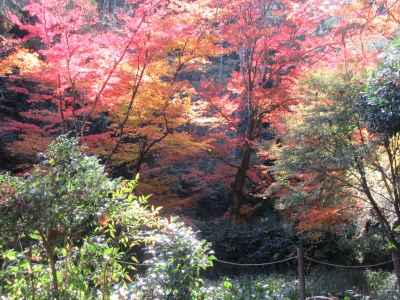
<point x="70" y="232"/>
<point x="56" y="202"/>
<point x="174" y="271"/>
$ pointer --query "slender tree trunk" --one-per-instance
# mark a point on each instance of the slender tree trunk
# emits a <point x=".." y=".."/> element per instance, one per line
<point x="31" y="275"/>
<point x="138" y="165"/>
<point x="240" y="181"/>
<point x="53" y="270"/>
<point x="241" y="175"/>
<point x="52" y="263"/>
<point x="300" y="273"/>
<point x="396" y="265"/>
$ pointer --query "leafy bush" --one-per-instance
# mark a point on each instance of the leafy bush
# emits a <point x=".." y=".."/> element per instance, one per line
<point x="178" y="259"/>
<point x="70" y="232"/>
<point x="382" y="285"/>
<point x="50" y="208"/>
<point x="247" y="287"/>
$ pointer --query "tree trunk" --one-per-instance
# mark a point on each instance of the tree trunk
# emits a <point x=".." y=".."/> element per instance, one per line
<point x="51" y="258"/>
<point x="52" y="263"/>
<point x="53" y="270"/>
<point x="241" y="175"/>
<point x="30" y="273"/>
<point x="239" y="183"/>
<point x="396" y="265"/>
<point x="300" y="273"/>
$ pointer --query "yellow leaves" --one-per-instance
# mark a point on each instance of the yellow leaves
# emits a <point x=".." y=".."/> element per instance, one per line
<point x="182" y="144"/>
<point x="22" y="59"/>
<point x="161" y="98"/>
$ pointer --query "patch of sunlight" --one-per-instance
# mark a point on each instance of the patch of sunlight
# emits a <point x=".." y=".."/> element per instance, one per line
<point x="22" y="59"/>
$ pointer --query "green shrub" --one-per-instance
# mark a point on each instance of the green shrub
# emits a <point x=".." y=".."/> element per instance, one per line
<point x="380" y="104"/>
<point x="343" y="284"/>
<point x="177" y="261"/>
<point x="69" y="232"/>
<point x="382" y="285"/>
<point x="67" y="229"/>
<point x="251" y="287"/>
<point x="51" y="208"/>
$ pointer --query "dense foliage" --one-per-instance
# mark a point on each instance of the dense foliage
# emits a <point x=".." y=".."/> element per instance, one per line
<point x="70" y="232"/>
<point x="344" y="153"/>
<point x="272" y="127"/>
<point x="380" y="103"/>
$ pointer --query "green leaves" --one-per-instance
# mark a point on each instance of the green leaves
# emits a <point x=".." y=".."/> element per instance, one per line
<point x="35" y="236"/>
<point x="80" y="231"/>
<point x="178" y="258"/>
<point x="380" y="102"/>
<point x="10" y="255"/>
<point x="49" y="210"/>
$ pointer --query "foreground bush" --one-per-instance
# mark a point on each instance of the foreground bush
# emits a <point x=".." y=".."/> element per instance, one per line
<point x="177" y="261"/>
<point x="69" y="232"/>
<point x="44" y="219"/>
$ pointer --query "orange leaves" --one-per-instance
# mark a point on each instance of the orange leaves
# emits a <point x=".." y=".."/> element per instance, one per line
<point x="6" y="192"/>
<point x="374" y="16"/>
<point x="362" y="136"/>
<point x="319" y="217"/>
<point x="29" y="144"/>
<point x="362" y="30"/>
<point x="103" y="220"/>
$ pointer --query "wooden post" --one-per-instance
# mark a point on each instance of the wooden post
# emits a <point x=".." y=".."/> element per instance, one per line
<point x="396" y="266"/>
<point x="300" y="273"/>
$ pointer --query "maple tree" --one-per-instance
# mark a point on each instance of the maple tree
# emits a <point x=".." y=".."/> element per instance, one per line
<point x="201" y="97"/>
<point x="83" y="56"/>
<point x="130" y="103"/>
<point x="155" y="113"/>
<point x="117" y="79"/>
<point x="308" y="165"/>
<point x="111" y="78"/>
<point x="274" y="42"/>
<point x="363" y="29"/>
<point x="377" y="17"/>
<point x="346" y="149"/>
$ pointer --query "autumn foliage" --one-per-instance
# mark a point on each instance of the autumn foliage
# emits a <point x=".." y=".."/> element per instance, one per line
<point x="275" y="43"/>
<point x="150" y="85"/>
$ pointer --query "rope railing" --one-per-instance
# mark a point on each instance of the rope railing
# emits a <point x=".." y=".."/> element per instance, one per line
<point x="283" y="261"/>
<point x="226" y="262"/>
<point x="254" y="264"/>
<point x="300" y="257"/>
<point x="347" y="266"/>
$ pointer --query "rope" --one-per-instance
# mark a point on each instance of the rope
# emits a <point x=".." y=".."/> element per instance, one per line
<point x="281" y="261"/>
<point x="347" y="267"/>
<point x="255" y="265"/>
